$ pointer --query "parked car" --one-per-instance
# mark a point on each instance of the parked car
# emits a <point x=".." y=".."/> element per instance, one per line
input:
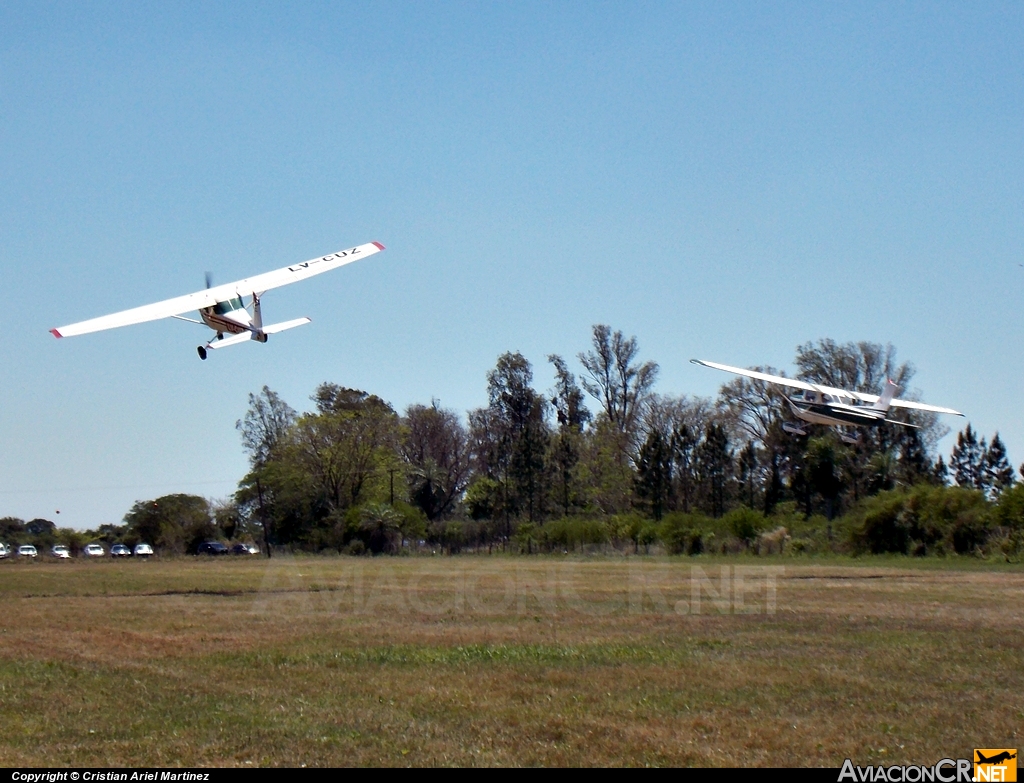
<point x="212" y="548"/>
<point x="120" y="550"/>
<point x="244" y="549"/>
<point x="93" y="550"/>
<point x="60" y="551"/>
<point x="27" y="550"/>
<point x="5" y="551"/>
<point x="143" y="550"/>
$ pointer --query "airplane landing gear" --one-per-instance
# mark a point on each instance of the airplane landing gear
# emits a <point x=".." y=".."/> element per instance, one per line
<point x="202" y="352"/>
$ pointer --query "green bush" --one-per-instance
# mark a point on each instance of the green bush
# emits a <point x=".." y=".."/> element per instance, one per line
<point x="623" y="528"/>
<point x="483" y="498"/>
<point x="923" y="519"/>
<point x="413" y="524"/>
<point x="684" y="534"/>
<point x="355" y="547"/>
<point x="573" y="532"/>
<point x="884" y="527"/>
<point x="1009" y="511"/>
<point x="745" y="523"/>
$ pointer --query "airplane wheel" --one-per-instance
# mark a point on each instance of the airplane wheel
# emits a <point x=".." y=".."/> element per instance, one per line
<point x="202" y="353"/>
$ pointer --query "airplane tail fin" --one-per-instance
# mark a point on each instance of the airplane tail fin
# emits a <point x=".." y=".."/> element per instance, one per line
<point x="888" y="393"/>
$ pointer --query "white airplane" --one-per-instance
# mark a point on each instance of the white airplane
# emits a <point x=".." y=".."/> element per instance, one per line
<point x="817" y="404"/>
<point x="221" y="307"/>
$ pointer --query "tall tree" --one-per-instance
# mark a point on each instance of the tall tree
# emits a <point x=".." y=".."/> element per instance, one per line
<point x="998" y="470"/>
<point x="347" y="444"/>
<point x="714" y="468"/>
<point x="968" y="460"/>
<point x="883" y="469"/>
<point x="826" y="462"/>
<point x="173" y="523"/>
<point x="517" y="417"/>
<point x="654" y="473"/>
<point x="753" y="408"/>
<point x="680" y="422"/>
<point x="331" y="398"/>
<point x="859" y="366"/>
<point x="685" y="440"/>
<point x="572" y="415"/>
<point x="615" y="376"/>
<point x="567" y="397"/>
<point x="746" y="465"/>
<point x="435" y="446"/>
<point x="913" y="463"/>
<point x="264" y="425"/>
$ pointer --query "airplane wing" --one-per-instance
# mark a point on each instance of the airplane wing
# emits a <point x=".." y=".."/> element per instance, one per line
<point x="220" y="293"/>
<point x="920" y="406"/>
<point x="760" y="376"/>
<point x="796" y="384"/>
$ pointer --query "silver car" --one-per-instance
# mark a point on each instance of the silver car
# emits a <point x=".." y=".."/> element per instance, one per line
<point x="93" y="550"/>
<point x="60" y="551"/>
<point x="27" y="550"/>
<point x="143" y="550"/>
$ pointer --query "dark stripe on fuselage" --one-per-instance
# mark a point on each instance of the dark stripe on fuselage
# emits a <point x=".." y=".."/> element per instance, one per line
<point x="219" y="324"/>
<point x="839" y="416"/>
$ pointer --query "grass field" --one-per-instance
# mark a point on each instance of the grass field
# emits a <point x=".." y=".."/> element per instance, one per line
<point x="511" y="661"/>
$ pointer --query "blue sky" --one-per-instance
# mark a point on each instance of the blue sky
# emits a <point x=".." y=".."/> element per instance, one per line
<point x="724" y="181"/>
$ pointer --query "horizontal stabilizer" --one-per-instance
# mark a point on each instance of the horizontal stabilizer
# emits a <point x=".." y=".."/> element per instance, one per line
<point x="275" y="328"/>
<point x="234" y="339"/>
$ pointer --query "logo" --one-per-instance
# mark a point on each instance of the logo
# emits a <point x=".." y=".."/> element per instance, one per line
<point x="995" y="764"/>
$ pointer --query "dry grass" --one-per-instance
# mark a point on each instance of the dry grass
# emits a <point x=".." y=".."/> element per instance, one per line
<point x="483" y="661"/>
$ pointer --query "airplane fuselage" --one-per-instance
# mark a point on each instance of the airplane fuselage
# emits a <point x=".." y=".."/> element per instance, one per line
<point x="229" y="317"/>
<point x="835" y="414"/>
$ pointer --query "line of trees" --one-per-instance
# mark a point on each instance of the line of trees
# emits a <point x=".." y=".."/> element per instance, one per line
<point x="601" y="448"/>
<point x="354" y="474"/>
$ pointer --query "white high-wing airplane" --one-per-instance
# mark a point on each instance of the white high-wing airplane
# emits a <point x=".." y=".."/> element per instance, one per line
<point x="818" y="404"/>
<point x="221" y="307"/>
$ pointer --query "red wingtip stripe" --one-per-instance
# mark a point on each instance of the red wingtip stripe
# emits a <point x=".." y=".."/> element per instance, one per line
<point x="380" y="246"/>
<point x="55" y="333"/>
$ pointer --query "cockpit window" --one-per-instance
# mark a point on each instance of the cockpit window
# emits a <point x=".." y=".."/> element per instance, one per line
<point x="223" y="308"/>
<point x="826" y="398"/>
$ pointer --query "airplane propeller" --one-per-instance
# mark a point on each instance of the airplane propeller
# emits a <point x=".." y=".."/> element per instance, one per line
<point x="209" y="279"/>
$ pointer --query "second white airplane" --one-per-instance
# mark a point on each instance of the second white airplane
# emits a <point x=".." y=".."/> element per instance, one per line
<point x="221" y="307"/>
<point x="814" y="403"/>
